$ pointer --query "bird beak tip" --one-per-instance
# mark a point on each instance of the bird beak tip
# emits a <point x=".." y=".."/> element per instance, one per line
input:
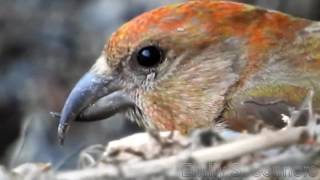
<point x="62" y="130"/>
<point x="104" y="91"/>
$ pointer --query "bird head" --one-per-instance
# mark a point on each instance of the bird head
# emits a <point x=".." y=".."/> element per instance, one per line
<point x="174" y="67"/>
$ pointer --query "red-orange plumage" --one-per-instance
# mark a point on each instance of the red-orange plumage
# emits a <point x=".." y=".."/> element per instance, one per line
<point x="219" y="55"/>
<point x="216" y="20"/>
<point x="196" y="24"/>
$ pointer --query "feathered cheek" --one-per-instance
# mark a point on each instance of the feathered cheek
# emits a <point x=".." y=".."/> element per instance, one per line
<point x="161" y="118"/>
<point x="169" y="118"/>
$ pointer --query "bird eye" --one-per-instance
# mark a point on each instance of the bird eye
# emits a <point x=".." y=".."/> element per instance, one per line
<point x="149" y="56"/>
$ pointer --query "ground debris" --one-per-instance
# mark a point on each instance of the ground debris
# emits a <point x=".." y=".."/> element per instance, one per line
<point x="290" y="153"/>
<point x="213" y="153"/>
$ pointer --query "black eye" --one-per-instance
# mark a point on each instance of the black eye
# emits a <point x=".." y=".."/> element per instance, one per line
<point x="149" y="56"/>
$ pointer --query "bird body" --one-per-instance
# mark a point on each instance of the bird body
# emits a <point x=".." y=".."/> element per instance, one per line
<point x="217" y="60"/>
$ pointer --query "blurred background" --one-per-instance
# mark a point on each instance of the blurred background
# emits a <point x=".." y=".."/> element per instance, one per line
<point x="45" y="47"/>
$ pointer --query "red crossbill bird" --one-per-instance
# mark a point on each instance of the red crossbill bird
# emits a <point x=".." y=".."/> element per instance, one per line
<point x="190" y="65"/>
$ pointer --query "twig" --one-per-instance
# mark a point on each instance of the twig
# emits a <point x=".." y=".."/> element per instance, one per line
<point x="66" y="159"/>
<point x="226" y="151"/>
<point x="20" y="144"/>
<point x="306" y="105"/>
<point x="281" y="161"/>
